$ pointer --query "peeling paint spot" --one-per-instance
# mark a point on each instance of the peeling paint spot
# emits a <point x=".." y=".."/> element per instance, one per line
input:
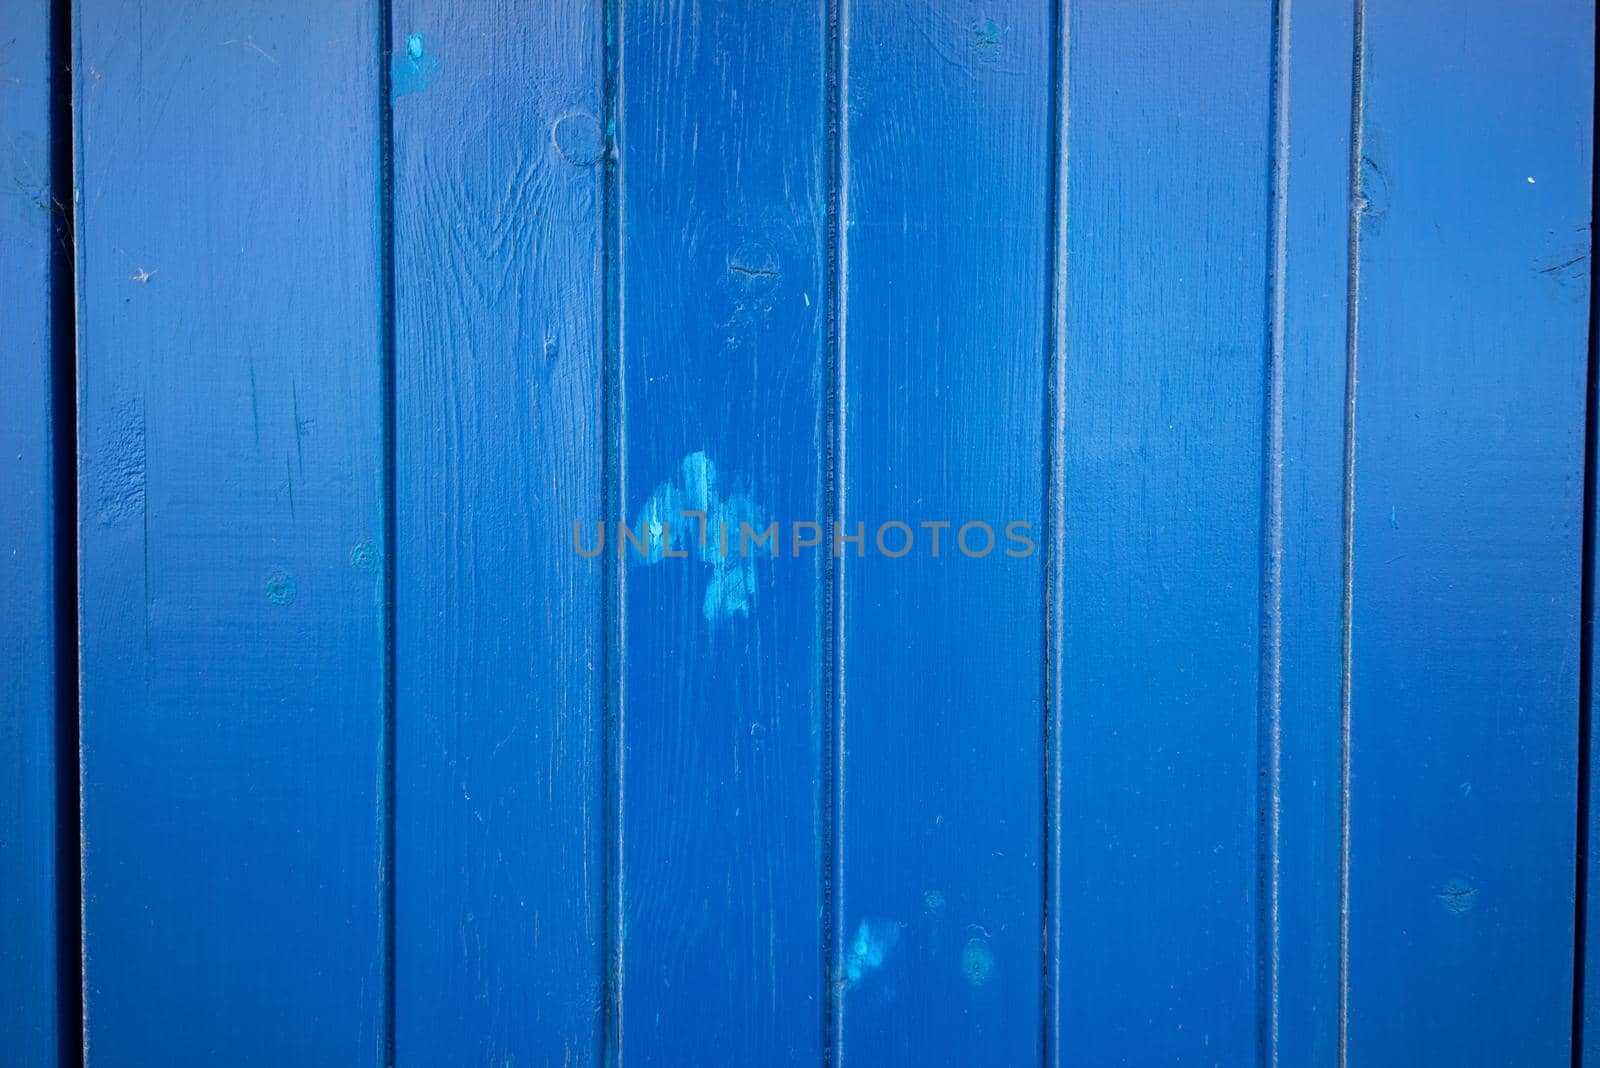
<point x="977" y="962"/>
<point x="668" y="533"/>
<point x="413" y="69"/>
<point x="280" y="588"/>
<point x="874" y="939"/>
<point x="118" y="471"/>
<point x="934" y="900"/>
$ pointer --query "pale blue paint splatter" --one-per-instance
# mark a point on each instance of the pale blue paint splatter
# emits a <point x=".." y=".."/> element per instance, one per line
<point x="731" y="587"/>
<point x="977" y="962"/>
<point x="874" y="939"/>
<point x="413" y="68"/>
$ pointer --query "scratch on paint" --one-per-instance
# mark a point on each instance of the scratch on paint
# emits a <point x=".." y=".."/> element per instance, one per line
<point x="666" y="530"/>
<point x="1458" y="896"/>
<point x="413" y="69"/>
<point x="874" y="939"/>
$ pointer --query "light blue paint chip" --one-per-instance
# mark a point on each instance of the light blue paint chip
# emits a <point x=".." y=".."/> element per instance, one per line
<point x="977" y="962"/>
<point x="413" y="69"/>
<point x="731" y="586"/>
<point x="874" y="939"/>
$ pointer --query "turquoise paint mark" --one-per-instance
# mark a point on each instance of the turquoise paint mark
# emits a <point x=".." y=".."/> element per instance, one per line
<point x="977" y="962"/>
<point x="280" y="588"/>
<point x="413" y="69"/>
<point x="731" y="586"/>
<point x="874" y="939"/>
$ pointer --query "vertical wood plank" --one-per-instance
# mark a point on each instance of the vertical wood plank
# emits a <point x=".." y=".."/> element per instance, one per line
<point x="31" y="766"/>
<point x="722" y="329"/>
<point x="230" y="386"/>
<point x="500" y="659"/>
<point x="1312" y="268"/>
<point x="946" y="170"/>
<point x="1166" y="337"/>
<point x="1469" y="426"/>
<point x="1586" y="969"/>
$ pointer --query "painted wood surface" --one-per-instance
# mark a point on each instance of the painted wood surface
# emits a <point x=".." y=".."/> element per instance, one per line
<point x="1167" y="362"/>
<point x="1303" y="539"/>
<point x="945" y="170"/>
<point x="34" y="246"/>
<point x="1475" y="165"/>
<point x="232" y="506"/>
<point x="1270" y="322"/>
<point x="500" y="657"/>
<point x="721" y="317"/>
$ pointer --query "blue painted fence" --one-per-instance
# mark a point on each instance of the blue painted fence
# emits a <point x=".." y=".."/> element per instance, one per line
<point x="848" y="531"/>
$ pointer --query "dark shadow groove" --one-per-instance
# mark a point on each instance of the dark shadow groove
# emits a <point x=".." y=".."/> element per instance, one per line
<point x="64" y="494"/>
<point x="829" y="603"/>
<point x="1591" y="436"/>
<point x="387" y="391"/>
<point x="612" y="492"/>
<point x="1055" y="418"/>
<point x="1357" y="205"/>
<point x="1269" y="726"/>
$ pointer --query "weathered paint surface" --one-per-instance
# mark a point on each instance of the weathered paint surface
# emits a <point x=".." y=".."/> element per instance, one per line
<point x="500" y="660"/>
<point x="719" y="716"/>
<point x="1256" y="740"/>
<point x="230" y="431"/>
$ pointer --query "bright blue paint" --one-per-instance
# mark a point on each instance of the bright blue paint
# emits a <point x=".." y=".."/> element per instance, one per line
<point x="721" y="148"/>
<point x="946" y="164"/>
<point x="671" y="827"/>
<point x="1469" y="418"/>
<point x="1166" y="350"/>
<point x="1303" y="1020"/>
<point x="32" y="1034"/>
<point x="233" y="700"/>
<point x="500" y="651"/>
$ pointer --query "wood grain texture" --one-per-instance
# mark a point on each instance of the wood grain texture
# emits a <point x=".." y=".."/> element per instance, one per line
<point x="1304" y="685"/>
<point x="30" y="763"/>
<point x="1168" y="213"/>
<point x="231" y="531"/>
<point x="1469" y="426"/>
<point x="946" y="171"/>
<point x="722" y="326"/>
<point x="500" y="658"/>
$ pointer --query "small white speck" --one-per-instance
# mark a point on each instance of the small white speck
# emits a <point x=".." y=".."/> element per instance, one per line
<point x="1530" y="179"/>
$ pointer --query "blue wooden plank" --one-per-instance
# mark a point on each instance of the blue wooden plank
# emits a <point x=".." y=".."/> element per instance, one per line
<point x="232" y="532"/>
<point x="1167" y="274"/>
<point x="1586" y="1000"/>
<point x="500" y="656"/>
<point x="1469" y="423"/>
<point x="32" y="768"/>
<point x="946" y="171"/>
<point x="1305" y="679"/>
<point x="722" y="328"/>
